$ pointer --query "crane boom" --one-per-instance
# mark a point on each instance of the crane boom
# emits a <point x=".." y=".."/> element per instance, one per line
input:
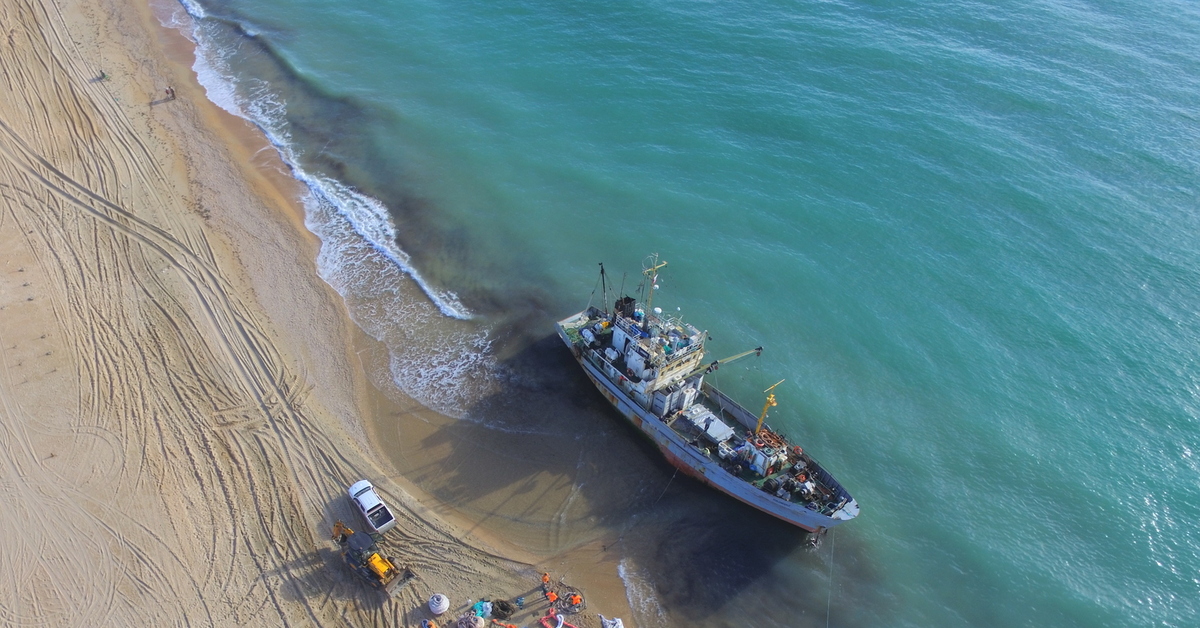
<point x="715" y="364"/>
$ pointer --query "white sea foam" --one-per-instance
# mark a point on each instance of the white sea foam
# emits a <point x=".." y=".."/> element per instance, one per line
<point x="173" y="15"/>
<point x="444" y="364"/>
<point x="640" y="595"/>
<point x="193" y="9"/>
<point x="371" y="221"/>
<point x="259" y="105"/>
<point x="211" y="68"/>
<point x="444" y="367"/>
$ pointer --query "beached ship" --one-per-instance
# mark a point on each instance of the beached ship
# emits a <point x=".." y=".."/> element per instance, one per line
<point x="651" y="368"/>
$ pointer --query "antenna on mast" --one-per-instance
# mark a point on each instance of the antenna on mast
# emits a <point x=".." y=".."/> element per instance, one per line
<point x="604" y="289"/>
<point x="616" y="311"/>
<point x="652" y="281"/>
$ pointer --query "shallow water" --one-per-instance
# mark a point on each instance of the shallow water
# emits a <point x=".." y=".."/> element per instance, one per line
<point x="964" y="232"/>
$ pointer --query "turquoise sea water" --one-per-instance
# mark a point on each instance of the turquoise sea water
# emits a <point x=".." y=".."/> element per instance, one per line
<point x="965" y="232"/>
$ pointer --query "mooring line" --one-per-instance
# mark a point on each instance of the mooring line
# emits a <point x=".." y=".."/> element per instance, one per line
<point x="660" y="495"/>
<point x="829" y="598"/>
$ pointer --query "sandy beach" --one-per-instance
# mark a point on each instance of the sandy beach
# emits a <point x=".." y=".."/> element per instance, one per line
<point x="182" y="401"/>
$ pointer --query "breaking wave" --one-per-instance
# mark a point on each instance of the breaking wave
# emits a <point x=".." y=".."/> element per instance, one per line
<point x="639" y="592"/>
<point x="442" y="366"/>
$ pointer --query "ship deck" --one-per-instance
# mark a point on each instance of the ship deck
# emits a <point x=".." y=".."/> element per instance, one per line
<point x="827" y="496"/>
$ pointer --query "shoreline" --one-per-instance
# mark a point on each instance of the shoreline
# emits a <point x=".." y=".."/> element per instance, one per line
<point x="260" y="159"/>
<point x="191" y="208"/>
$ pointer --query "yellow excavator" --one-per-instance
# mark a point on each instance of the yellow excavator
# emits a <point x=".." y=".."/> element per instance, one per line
<point x="364" y="558"/>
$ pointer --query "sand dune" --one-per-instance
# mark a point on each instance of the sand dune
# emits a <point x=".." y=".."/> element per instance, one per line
<point x="174" y="444"/>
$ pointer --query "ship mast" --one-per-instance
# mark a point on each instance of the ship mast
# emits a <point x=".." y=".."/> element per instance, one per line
<point x="770" y="403"/>
<point x="652" y="281"/>
<point x="604" y="290"/>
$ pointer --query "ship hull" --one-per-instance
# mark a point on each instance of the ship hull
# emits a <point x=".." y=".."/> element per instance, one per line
<point x="689" y="460"/>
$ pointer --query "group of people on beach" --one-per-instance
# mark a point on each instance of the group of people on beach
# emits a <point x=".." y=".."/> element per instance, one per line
<point x="570" y="602"/>
<point x="562" y="599"/>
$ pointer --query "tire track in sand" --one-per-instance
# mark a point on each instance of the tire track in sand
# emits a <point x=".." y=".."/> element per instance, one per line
<point x="214" y="508"/>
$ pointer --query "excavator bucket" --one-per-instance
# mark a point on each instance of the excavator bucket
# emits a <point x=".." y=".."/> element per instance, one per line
<point x="401" y="580"/>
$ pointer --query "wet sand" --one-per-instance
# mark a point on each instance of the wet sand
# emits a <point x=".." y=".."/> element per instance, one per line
<point x="182" y="400"/>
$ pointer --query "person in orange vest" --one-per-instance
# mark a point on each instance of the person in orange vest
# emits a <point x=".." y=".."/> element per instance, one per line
<point x="552" y="597"/>
<point x="574" y="599"/>
<point x="545" y="582"/>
